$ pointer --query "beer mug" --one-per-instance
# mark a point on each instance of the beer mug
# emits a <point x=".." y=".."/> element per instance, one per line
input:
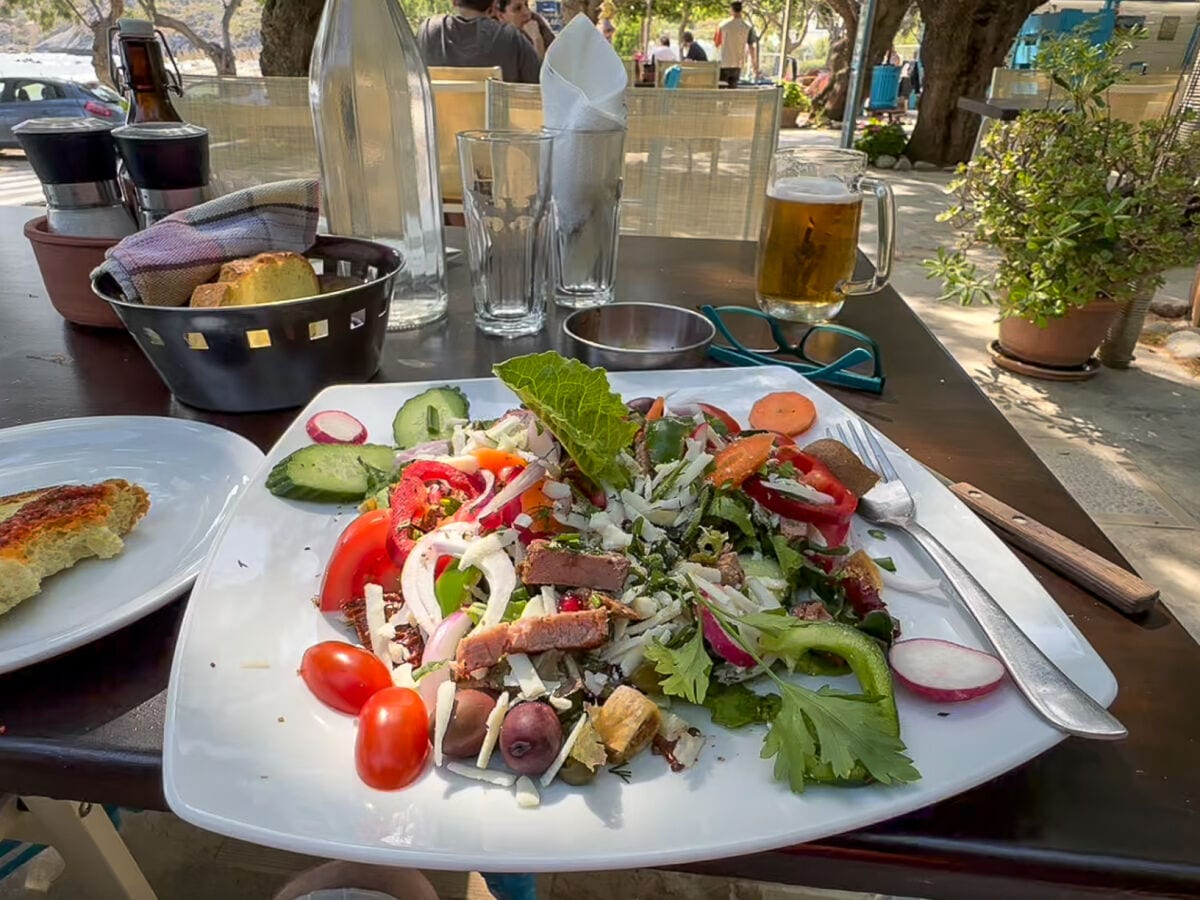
<point x="809" y="239"/>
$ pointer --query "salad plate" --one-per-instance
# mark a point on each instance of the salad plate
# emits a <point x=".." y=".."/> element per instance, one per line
<point x="192" y="472"/>
<point x="250" y="753"/>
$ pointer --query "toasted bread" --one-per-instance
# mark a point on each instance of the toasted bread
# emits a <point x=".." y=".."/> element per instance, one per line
<point x="844" y="464"/>
<point x="47" y="530"/>
<point x="266" y="278"/>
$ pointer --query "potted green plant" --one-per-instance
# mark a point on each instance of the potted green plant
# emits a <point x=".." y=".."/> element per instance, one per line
<point x="793" y="102"/>
<point x="1086" y="211"/>
<point x="881" y="138"/>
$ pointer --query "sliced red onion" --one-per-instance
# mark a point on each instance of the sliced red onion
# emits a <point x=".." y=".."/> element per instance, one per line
<point x="423" y="451"/>
<point x="723" y="645"/>
<point x="489" y="487"/>
<point x="441" y="647"/>
<point x="501" y="578"/>
<point x="530" y="476"/>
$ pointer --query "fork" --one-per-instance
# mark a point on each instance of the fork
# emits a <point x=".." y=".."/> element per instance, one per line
<point x="1058" y="699"/>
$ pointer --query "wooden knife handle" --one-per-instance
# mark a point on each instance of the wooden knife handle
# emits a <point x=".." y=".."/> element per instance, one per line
<point x="1106" y="580"/>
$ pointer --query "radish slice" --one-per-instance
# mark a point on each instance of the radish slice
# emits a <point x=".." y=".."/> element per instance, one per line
<point x="723" y="645"/>
<point x="336" y="427"/>
<point x="943" y="671"/>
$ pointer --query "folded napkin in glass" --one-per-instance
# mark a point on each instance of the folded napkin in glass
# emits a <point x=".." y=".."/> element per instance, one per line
<point x="163" y="264"/>
<point x="845" y="369"/>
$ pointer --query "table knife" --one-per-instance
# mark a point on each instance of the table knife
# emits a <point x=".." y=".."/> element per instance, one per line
<point x="1121" y="589"/>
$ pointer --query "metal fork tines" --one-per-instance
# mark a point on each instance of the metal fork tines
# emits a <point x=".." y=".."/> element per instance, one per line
<point x="1058" y="699"/>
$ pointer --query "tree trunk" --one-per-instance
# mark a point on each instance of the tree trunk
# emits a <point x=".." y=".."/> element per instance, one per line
<point x="289" y="29"/>
<point x="964" y="41"/>
<point x="888" y="16"/>
<point x="221" y="56"/>
<point x="101" y="49"/>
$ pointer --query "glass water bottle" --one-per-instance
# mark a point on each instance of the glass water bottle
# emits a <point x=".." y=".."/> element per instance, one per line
<point x="372" y="108"/>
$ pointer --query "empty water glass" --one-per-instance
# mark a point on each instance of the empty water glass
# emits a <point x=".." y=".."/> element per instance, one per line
<point x="588" y="168"/>
<point x="506" y="204"/>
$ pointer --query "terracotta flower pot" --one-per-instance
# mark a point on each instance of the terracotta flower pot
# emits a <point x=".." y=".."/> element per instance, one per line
<point x="788" y="116"/>
<point x="66" y="263"/>
<point x="1064" y="343"/>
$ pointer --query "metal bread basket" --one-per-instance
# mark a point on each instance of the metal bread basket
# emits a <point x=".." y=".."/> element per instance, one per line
<point x="274" y="356"/>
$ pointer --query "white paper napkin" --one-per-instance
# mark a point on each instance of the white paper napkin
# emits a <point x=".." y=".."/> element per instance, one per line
<point x="583" y="89"/>
<point x="583" y="80"/>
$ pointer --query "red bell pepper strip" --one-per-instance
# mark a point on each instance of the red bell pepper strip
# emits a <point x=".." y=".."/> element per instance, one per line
<point x="425" y="470"/>
<point x="833" y="520"/>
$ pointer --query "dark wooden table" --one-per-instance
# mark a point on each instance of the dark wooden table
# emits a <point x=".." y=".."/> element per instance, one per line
<point x="1083" y="816"/>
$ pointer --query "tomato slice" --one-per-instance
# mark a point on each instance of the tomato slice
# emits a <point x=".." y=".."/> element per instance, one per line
<point x="359" y="557"/>
<point x="343" y="676"/>
<point x="393" y="739"/>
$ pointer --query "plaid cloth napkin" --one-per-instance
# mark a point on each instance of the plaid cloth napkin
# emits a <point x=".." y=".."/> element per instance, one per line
<point x="163" y="264"/>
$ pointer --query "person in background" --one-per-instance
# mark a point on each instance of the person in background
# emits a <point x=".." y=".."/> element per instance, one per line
<point x="690" y="50"/>
<point x="607" y="28"/>
<point x="734" y="38"/>
<point x="892" y="58"/>
<point x="518" y="14"/>
<point x="664" y="52"/>
<point x="469" y="37"/>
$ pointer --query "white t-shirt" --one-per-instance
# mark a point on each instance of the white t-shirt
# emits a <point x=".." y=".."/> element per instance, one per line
<point x="664" y="54"/>
<point x="736" y="35"/>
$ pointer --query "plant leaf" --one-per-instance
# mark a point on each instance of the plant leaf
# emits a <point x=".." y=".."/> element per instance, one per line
<point x="579" y="407"/>
<point x="687" y="668"/>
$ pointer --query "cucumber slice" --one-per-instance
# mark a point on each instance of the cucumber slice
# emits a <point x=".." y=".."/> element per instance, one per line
<point x="427" y="416"/>
<point x="328" y="473"/>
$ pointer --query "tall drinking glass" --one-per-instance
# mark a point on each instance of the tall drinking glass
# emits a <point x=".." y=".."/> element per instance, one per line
<point x="809" y="239"/>
<point x="506" y="204"/>
<point x="588" y="167"/>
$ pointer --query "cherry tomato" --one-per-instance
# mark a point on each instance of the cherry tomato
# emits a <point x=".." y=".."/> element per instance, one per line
<point x="359" y="557"/>
<point x="343" y="676"/>
<point x="393" y="739"/>
<point x="715" y="412"/>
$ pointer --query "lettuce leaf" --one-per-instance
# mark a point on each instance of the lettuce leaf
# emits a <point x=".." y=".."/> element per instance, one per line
<point x="579" y="407"/>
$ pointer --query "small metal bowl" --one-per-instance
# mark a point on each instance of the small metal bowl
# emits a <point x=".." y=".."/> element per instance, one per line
<point x="639" y="336"/>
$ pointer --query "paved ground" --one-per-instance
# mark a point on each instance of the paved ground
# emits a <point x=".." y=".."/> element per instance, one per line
<point x="1124" y="444"/>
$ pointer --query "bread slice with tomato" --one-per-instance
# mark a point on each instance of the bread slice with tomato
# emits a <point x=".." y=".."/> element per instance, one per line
<point x="47" y="530"/>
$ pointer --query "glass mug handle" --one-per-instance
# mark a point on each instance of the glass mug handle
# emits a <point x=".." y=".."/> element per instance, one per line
<point x="885" y="218"/>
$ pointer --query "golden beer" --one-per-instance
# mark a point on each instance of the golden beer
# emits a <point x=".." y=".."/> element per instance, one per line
<point x="807" y="248"/>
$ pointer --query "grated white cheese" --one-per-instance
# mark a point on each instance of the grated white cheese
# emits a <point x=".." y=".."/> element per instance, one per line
<point x="644" y="606"/>
<point x="402" y="676"/>
<point x="377" y="622"/>
<point x="595" y="682"/>
<point x="708" y="573"/>
<point x="801" y="490"/>
<point x="561" y="703"/>
<point x="443" y="706"/>
<point x="687" y="749"/>
<point x="527" y="793"/>
<point x="666" y="614"/>
<point x="527" y="676"/>
<point x="495" y="720"/>
<point x="398" y="652"/>
<point x="524" y="520"/>
<point x="500" y="779"/>
<point x="694" y="470"/>
<point x="564" y="752"/>
<point x="468" y="465"/>
<point x="766" y="598"/>
<point x="556" y="490"/>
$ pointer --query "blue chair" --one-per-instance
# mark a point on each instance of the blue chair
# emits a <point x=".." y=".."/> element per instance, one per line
<point x="671" y="77"/>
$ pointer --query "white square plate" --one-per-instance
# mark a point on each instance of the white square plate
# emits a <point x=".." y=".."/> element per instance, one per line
<point x="192" y="472"/>
<point x="252" y="754"/>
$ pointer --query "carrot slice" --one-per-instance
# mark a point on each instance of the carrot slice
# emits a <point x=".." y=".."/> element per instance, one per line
<point x="496" y="461"/>
<point x="656" y="410"/>
<point x="786" y="412"/>
<point x="741" y="459"/>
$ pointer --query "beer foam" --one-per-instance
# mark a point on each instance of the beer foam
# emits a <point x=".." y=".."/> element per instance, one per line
<point x="812" y="189"/>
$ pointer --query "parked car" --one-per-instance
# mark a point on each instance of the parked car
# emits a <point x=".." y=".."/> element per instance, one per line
<point x="35" y="98"/>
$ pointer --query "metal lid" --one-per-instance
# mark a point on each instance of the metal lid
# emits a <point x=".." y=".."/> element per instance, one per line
<point x="135" y="27"/>
<point x="159" y="131"/>
<point x="62" y="126"/>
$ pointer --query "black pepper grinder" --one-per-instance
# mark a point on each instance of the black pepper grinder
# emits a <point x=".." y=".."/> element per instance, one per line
<point x="167" y="163"/>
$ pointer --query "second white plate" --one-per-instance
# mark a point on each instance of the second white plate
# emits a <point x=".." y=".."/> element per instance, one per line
<point x="192" y="472"/>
